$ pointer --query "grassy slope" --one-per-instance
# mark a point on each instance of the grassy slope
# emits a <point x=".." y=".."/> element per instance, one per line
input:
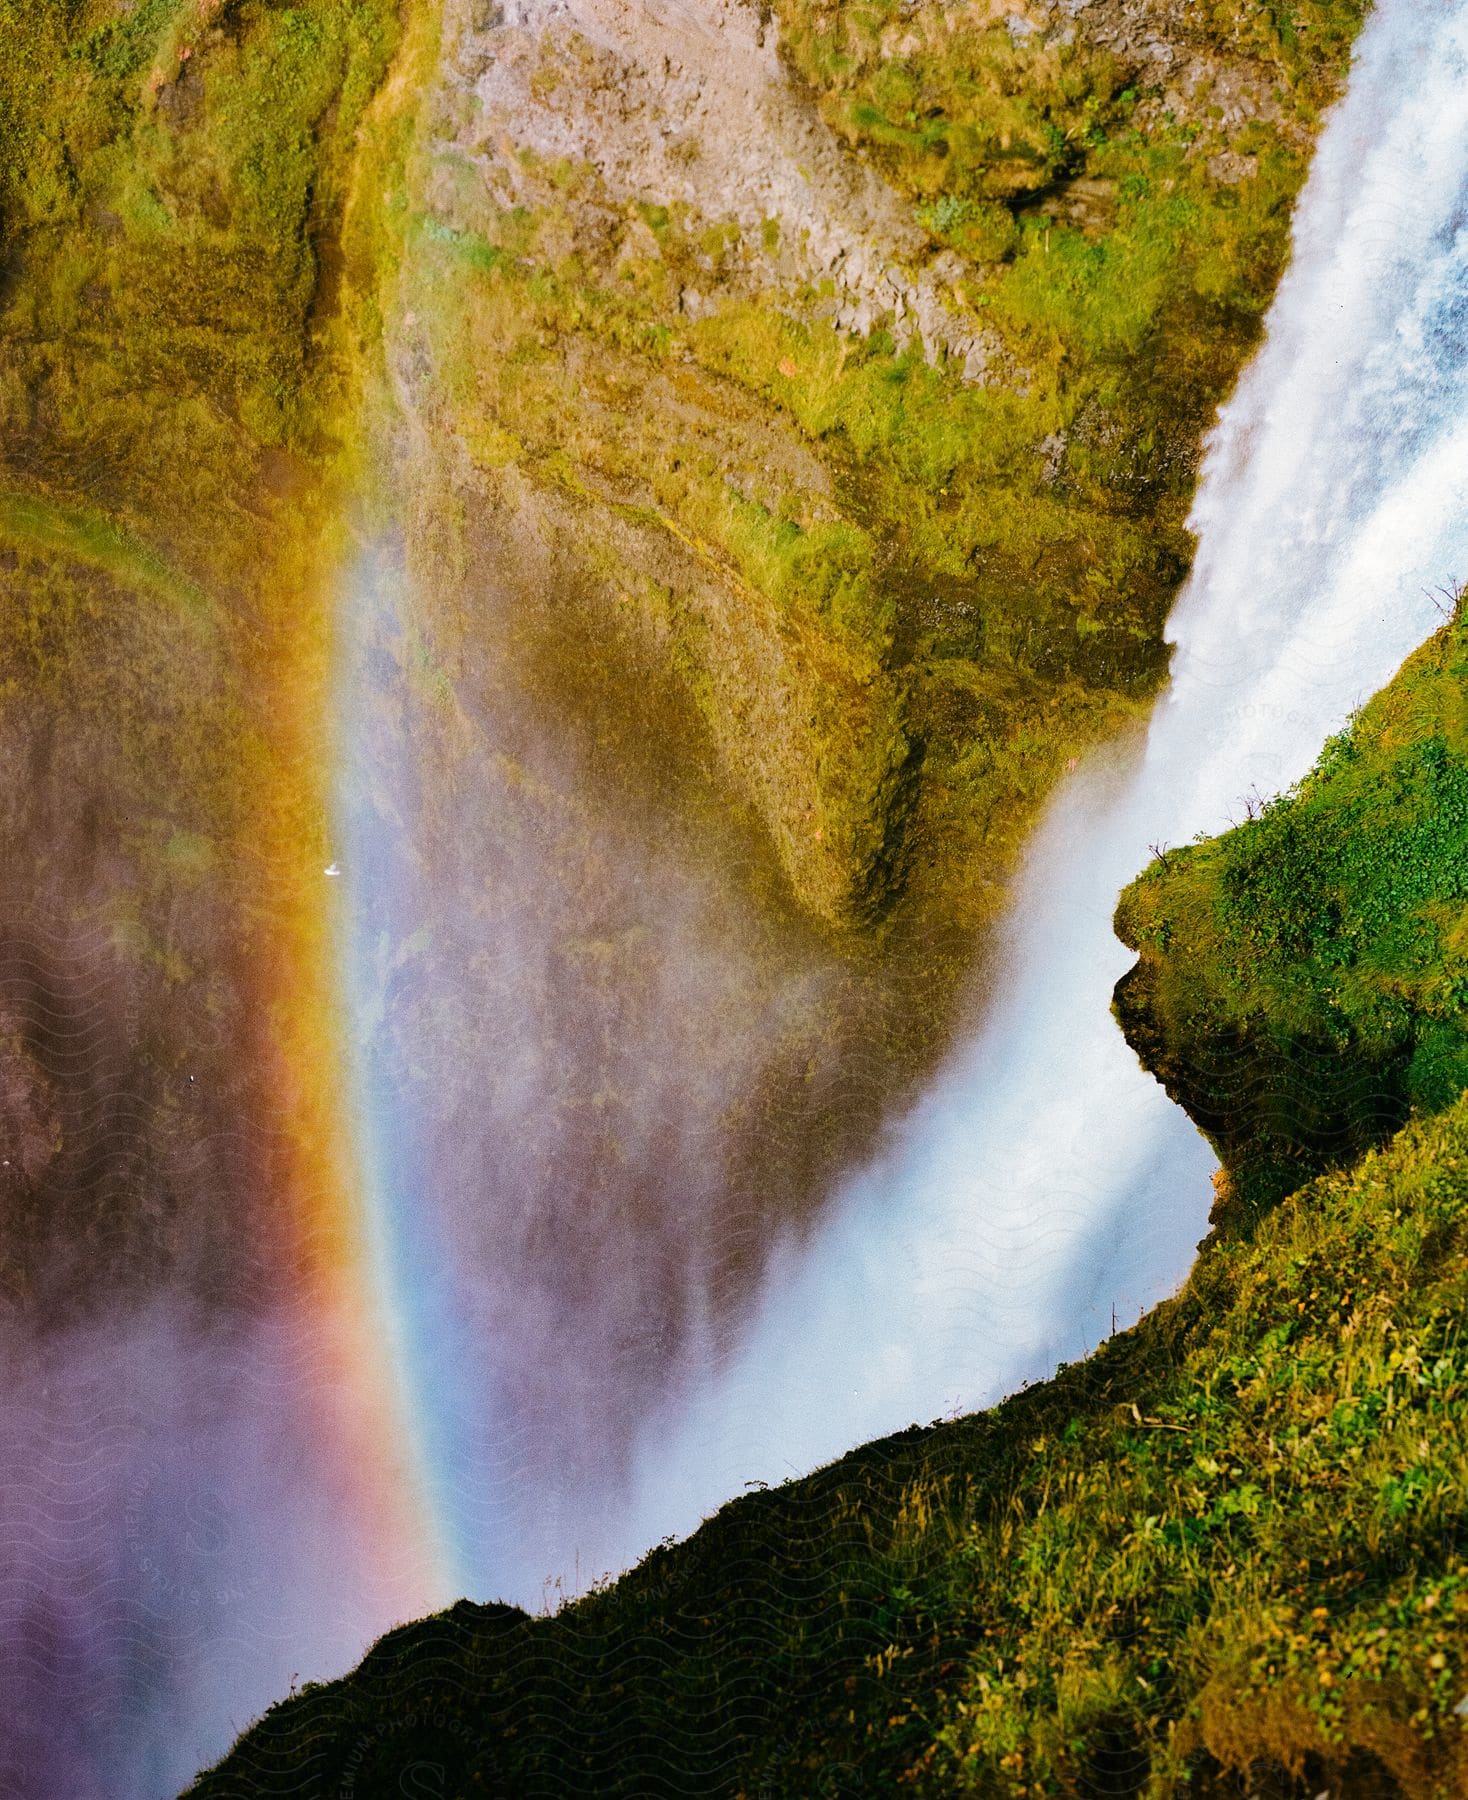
<point x="1302" y="980"/>
<point x="1233" y="1540"/>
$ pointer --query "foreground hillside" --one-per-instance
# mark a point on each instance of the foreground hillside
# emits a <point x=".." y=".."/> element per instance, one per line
<point x="1230" y="1545"/>
<point x="1232" y="1541"/>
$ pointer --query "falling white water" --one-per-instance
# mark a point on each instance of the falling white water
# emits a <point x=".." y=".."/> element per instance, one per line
<point x="1045" y="1179"/>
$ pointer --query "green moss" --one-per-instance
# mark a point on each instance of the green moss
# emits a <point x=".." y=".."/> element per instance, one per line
<point x="169" y="184"/>
<point x="976" y="109"/>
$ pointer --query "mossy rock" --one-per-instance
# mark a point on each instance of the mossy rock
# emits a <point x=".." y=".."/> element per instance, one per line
<point x="1301" y="981"/>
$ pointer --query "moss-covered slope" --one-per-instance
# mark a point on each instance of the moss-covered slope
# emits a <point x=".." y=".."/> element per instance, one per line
<point x="1303" y="979"/>
<point x="1229" y="1545"/>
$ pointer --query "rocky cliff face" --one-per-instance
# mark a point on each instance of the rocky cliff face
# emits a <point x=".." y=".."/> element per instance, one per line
<point x="883" y="425"/>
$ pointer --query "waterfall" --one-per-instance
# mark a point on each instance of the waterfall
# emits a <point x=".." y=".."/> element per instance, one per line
<point x="198" y="1516"/>
<point x="1044" y="1179"/>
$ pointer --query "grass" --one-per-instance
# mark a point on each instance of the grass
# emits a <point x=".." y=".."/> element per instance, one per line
<point x="1229" y="1547"/>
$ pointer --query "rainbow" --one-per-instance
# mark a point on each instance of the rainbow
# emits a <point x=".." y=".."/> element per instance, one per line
<point x="342" y="1244"/>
